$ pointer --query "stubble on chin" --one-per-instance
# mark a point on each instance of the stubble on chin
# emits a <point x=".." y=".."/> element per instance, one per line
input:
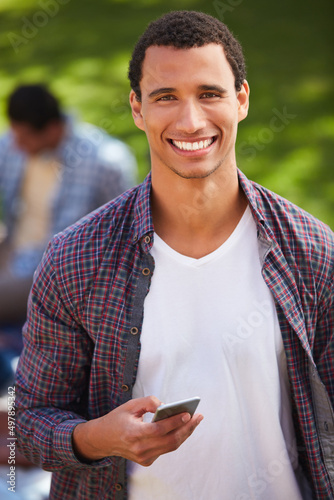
<point x="194" y="175"/>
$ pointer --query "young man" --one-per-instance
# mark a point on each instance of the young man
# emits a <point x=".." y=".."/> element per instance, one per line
<point x="197" y="282"/>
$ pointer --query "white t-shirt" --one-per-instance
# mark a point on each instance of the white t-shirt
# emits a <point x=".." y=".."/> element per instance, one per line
<point x="210" y="329"/>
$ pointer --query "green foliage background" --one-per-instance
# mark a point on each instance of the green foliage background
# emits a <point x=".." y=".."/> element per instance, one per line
<point x="81" y="49"/>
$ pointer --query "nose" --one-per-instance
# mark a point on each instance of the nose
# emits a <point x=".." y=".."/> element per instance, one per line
<point x="191" y="117"/>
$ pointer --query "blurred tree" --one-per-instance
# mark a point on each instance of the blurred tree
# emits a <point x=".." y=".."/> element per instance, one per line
<point x="81" y="49"/>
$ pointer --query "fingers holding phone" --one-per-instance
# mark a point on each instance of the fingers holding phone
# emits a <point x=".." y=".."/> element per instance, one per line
<point x="170" y="409"/>
<point x="122" y="432"/>
<point x="173" y="424"/>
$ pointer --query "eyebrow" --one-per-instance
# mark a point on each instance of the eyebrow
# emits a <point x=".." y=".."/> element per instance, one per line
<point x="216" y="88"/>
<point x="167" y="90"/>
<point x="162" y="90"/>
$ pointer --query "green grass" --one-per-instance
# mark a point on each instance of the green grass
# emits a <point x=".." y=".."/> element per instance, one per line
<point x="81" y="49"/>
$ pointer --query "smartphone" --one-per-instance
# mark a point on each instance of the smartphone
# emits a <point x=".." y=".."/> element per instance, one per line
<point x="170" y="409"/>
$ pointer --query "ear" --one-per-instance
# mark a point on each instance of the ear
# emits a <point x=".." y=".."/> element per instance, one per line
<point x="243" y="101"/>
<point x="136" y="107"/>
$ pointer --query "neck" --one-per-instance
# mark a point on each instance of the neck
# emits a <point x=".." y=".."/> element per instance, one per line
<point x="196" y="216"/>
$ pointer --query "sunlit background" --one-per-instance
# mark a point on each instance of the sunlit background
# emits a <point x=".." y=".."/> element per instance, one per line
<point x="81" y="49"/>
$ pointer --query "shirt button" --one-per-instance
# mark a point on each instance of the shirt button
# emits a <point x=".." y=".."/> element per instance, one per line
<point x="147" y="239"/>
<point x="118" y="487"/>
<point x="134" y="330"/>
<point x="146" y="271"/>
<point x="125" y="388"/>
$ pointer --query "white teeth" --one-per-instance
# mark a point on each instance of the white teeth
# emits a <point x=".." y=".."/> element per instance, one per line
<point x="193" y="146"/>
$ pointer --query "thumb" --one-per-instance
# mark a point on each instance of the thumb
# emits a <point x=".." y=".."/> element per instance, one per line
<point x="140" y="406"/>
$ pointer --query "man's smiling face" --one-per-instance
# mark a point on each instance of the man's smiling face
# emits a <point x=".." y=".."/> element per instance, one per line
<point x="189" y="109"/>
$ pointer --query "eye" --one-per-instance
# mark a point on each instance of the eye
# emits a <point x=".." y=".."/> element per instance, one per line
<point x="210" y="95"/>
<point x="166" y="98"/>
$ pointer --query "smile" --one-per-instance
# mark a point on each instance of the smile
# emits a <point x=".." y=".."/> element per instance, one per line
<point x="193" y="146"/>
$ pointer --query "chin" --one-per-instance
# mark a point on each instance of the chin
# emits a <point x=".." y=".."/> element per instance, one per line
<point x="196" y="173"/>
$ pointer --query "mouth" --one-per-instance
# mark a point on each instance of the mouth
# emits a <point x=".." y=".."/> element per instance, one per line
<point x="198" y="146"/>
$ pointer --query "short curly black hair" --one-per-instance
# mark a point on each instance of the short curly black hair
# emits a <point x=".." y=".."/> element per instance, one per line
<point x="184" y="29"/>
<point x="34" y="105"/>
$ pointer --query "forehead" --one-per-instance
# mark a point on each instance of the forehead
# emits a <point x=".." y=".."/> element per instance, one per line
<point x="23" y="128"/>
<point x="172" y="65"/>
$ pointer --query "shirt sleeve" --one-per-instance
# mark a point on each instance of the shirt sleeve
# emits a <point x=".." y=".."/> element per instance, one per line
<point x="52" y="376"/>
<point x="324" y="340"/>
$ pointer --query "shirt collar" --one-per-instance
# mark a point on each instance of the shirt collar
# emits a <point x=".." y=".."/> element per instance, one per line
<point x="143" y="224"/>
<point x="253" y="198"/>
<point x="255" y="195"/>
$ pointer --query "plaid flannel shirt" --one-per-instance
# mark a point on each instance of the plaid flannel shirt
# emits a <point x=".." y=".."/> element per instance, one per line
<point x="82" y="336"/>
<point x="92" y="169"/>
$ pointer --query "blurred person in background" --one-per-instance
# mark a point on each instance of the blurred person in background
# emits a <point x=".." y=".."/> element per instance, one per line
<point x="53" y="171"/>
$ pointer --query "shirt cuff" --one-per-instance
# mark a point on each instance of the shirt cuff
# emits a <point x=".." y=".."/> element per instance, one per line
<point x="62" y="445"/>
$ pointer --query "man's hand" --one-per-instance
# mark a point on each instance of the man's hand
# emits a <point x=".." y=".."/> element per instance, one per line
<point x="123" y="433"/>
